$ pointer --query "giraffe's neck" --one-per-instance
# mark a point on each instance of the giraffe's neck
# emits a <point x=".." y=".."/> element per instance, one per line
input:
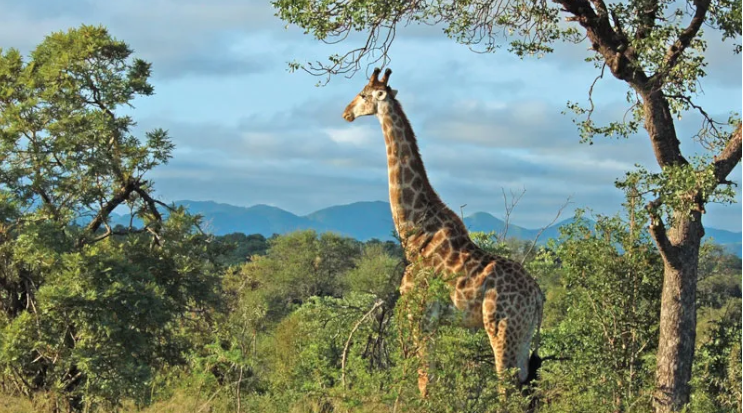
<point x="412" y="198"/>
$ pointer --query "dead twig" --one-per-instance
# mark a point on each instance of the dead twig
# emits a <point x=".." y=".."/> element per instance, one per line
<point x="509" y="207"/>
<point x="376" y="305"/>
<point x="539" y="234"/>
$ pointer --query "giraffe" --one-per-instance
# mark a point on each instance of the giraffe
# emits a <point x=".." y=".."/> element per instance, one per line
<point x="493" y="292"/>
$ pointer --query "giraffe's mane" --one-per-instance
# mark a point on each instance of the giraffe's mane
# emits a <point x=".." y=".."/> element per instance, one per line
<point x="413" y="141"/>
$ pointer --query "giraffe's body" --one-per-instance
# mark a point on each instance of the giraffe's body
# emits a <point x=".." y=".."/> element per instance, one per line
<point x="493" y="292"/>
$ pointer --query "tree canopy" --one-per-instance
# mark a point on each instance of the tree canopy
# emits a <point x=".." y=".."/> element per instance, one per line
<point x="88" y="312"/>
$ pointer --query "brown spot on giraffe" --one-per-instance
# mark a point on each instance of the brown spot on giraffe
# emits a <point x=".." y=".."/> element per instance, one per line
<point x="494" y="293"/>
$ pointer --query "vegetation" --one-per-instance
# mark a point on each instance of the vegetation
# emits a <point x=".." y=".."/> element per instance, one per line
<point x="166" y="318"/>
<point x="89" y="314"/>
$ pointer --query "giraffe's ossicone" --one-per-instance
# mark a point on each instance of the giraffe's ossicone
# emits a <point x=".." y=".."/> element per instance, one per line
<point x="494" y="293"/>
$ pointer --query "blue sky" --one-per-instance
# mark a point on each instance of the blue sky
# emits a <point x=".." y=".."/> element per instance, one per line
<point x="249" y="132"/>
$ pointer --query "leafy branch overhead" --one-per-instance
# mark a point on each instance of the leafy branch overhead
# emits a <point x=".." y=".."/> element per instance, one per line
<point x="642" y="40"/>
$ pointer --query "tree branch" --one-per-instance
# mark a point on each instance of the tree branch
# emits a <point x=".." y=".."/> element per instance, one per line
<point x="646" y="17"/>
<point x="707" y="118"/>
<point x="658" y="229"/>
<point x="729" y="157"/>
<point x="350" y="335"/>
<point x="515" y="198"/>
<point x="120" y="197"/>
<point x="541" y="230"/>
<point x="151" y="203"/>
<point x="606" y="41"/>
<point x="679" y="46"/>
<point x="104" y="235"/>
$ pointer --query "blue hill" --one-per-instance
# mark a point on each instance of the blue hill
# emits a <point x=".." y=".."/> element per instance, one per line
<point x="364" y="221"/>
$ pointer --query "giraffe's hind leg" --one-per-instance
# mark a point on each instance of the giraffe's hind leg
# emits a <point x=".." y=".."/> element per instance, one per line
<point x="500" y="343"/>
<point x="505" y="355"/>
<point x="506" y="340"/>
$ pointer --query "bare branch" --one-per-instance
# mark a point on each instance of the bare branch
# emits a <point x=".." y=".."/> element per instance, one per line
<point x="539" y="234"/>
<point x="376" y="305"/>
<point x="509" y="207"/>
<point x="590" y="93"/>
<point x="708" y="122"/>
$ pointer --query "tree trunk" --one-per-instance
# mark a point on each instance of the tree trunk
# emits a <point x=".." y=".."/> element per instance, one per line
<point x="678" y="319"/>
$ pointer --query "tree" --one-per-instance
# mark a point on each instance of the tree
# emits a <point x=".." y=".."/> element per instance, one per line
<point x="239" y="247"/>
<point x="611" y="276"/>
<point x="656" y="48"/>
<point x="88" y="312"/>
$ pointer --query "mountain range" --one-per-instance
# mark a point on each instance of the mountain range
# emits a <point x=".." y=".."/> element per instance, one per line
<point x="363" y="221"/>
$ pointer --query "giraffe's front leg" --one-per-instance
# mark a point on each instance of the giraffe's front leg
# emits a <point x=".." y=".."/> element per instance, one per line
<point x="414" y="311"/>
<point x="506" y="339"/>
<point x="423" y="365"/>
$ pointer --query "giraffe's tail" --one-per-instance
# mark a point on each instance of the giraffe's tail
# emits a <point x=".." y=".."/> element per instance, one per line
<point x="535" y="362"/>
<point x="537" y="336"/>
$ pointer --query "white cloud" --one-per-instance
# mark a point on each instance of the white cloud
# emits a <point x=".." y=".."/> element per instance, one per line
<point x="357" y="135"/>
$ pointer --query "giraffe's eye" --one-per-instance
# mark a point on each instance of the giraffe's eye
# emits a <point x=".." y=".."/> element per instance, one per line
<point x="363" y="96"/>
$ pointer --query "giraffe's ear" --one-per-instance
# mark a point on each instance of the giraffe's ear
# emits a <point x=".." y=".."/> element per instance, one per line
<point x="380" y="94"/>
<point x="393" y="93"/>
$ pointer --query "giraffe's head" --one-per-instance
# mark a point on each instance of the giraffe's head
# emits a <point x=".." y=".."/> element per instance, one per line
<point x="367" y="102"/>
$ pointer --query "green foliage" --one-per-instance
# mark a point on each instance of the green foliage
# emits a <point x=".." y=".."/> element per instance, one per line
<point x="376" y="273"/>
<point x="717" y="370"/>
<point x="603" y="287"/>
<point x="60" y="140"/>
<point x="87" y="316"/>
<point x="513" y="248"/>
<point x="676" y="188"/>
<point x="239" y="248"/>
<point x="719" y="276"/>
<point x="297" y="266"/>
<point x="608" y="315"/>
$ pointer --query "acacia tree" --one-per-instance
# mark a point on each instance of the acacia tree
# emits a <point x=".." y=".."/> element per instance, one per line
<point x="655" y="47"/>
<point x="88" y="309"/>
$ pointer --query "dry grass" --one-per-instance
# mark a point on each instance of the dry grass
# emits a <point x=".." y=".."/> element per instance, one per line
<point x="12" y="404"/>
<point x="184" y="401"/>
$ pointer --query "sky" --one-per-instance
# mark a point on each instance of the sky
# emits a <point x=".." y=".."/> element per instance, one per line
<point x="247" y="131"/>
